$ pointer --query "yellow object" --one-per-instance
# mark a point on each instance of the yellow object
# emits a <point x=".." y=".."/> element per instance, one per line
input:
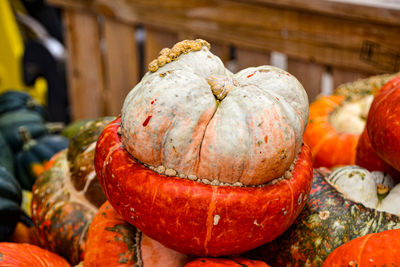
<point x="11" y="57"/>
<point x="26" y="201"/>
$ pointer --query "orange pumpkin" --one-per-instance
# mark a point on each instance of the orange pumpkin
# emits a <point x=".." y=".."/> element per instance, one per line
<point x="22" y="255"/>
<point x="220" y="262"/>
<point x="205" y="161"/>
<point x="367" y="158"/>
<point x="336" y="122"/>
<point x="378" y="249"/>
<point x="113" y="242"/>
<point x="383" y="123"/>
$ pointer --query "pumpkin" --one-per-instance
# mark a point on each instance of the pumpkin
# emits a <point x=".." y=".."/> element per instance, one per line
<point x="35" y="153"/>
<point x="67" y="195"/>
<point x="378" y="249"/>
<point x="336" y="121"/>
<point x="70" y="130"/>
<point x="6" y="157"/>
<point x="221" y="262"/>
<point x="21" y="255"/>
<point x="343" y="205"/>
<point x="124" y="245"/>
<point x="11" y="121"/>
<point x="16" y="100"/>
<point x="383" y="123"/>
<point x="367" y="158"/>
<point x="208" y="163"/>
<point x="10" y="201"/>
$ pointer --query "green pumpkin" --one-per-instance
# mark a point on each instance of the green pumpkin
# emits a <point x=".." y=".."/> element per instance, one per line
<point x="67" y="195"/>
<point x="70" y="130"/>
<point x="17" y="100"/>
<point x="10" y="201"/>
<point x="11" y="121"/>
<point x="35" y="153"/>
<point x="6" y="157"/>
<point x="334" y="215"/>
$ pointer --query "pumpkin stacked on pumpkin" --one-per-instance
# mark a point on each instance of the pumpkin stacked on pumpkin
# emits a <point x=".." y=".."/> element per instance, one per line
<point x="206" y="162"/>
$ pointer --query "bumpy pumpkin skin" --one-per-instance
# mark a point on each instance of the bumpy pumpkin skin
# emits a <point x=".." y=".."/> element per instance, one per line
<point x="200" y="219"/>
<point x="328" y="220"/>
<point x="22" y="255"/>
<point x="383" y="123"/>
<point x="123" y="245"/>
<point x="67" y="195"/>
<point x="195" y="117"/>
<point x="335" y="146"/>
<point x="378" y="249"/>
<point x="221" y="262"/>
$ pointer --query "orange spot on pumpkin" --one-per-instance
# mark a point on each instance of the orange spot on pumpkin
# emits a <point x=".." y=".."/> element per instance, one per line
<point x="266" y="139"/>
<point x="147" y="121"/>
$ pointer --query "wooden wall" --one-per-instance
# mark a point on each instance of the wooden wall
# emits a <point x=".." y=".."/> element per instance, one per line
<point x="110" y="43"/>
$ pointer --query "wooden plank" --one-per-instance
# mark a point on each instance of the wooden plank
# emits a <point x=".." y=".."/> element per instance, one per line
<point x="157" y="39"/>
<point x="85" y="79"/>
<point x="309" y="74"/>
<point x="370" y="10"/>
<point x="310" y="36"/>
<point x="121" y="63"/>
<point x="251" y="58"/>
<point x="220" y="49"/>
<point x="341" y="76"/>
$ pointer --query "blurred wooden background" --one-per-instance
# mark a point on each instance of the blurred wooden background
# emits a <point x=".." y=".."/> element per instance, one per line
<point x="323" y="43"/>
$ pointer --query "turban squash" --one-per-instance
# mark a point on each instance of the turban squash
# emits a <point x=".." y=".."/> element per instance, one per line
<point x="336" y="121"/>
<point x="124" y="245"/>
<point x="67" y="195"/>
<point x="343" y="205"/>
<point x="204" y="161"/>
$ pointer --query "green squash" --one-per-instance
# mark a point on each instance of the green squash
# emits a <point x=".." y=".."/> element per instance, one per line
<point x="67" y="195"/>
<point x="334" y="215"/>
<point x="10" y="201"/>
<point x="11" y="121"/>
<point x="34" y="155"/>
<point x="70" y="130"/>
<point x="6" y="157"/>
<point x="17" y="100"/>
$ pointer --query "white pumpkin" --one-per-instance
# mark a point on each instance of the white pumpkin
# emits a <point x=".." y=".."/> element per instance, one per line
<point x="376" y="190"/>
<point x="192" y="116"/>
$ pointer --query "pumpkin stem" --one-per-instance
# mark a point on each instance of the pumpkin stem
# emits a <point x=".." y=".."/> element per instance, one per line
<point x="382" y="190"/>
<point x="54" y="127"/>
<point x="221" y="85"/>
<point x="26" y="138"/>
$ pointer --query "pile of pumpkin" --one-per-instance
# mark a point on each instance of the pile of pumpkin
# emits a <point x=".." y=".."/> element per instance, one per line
<point x="208" y="168"/>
